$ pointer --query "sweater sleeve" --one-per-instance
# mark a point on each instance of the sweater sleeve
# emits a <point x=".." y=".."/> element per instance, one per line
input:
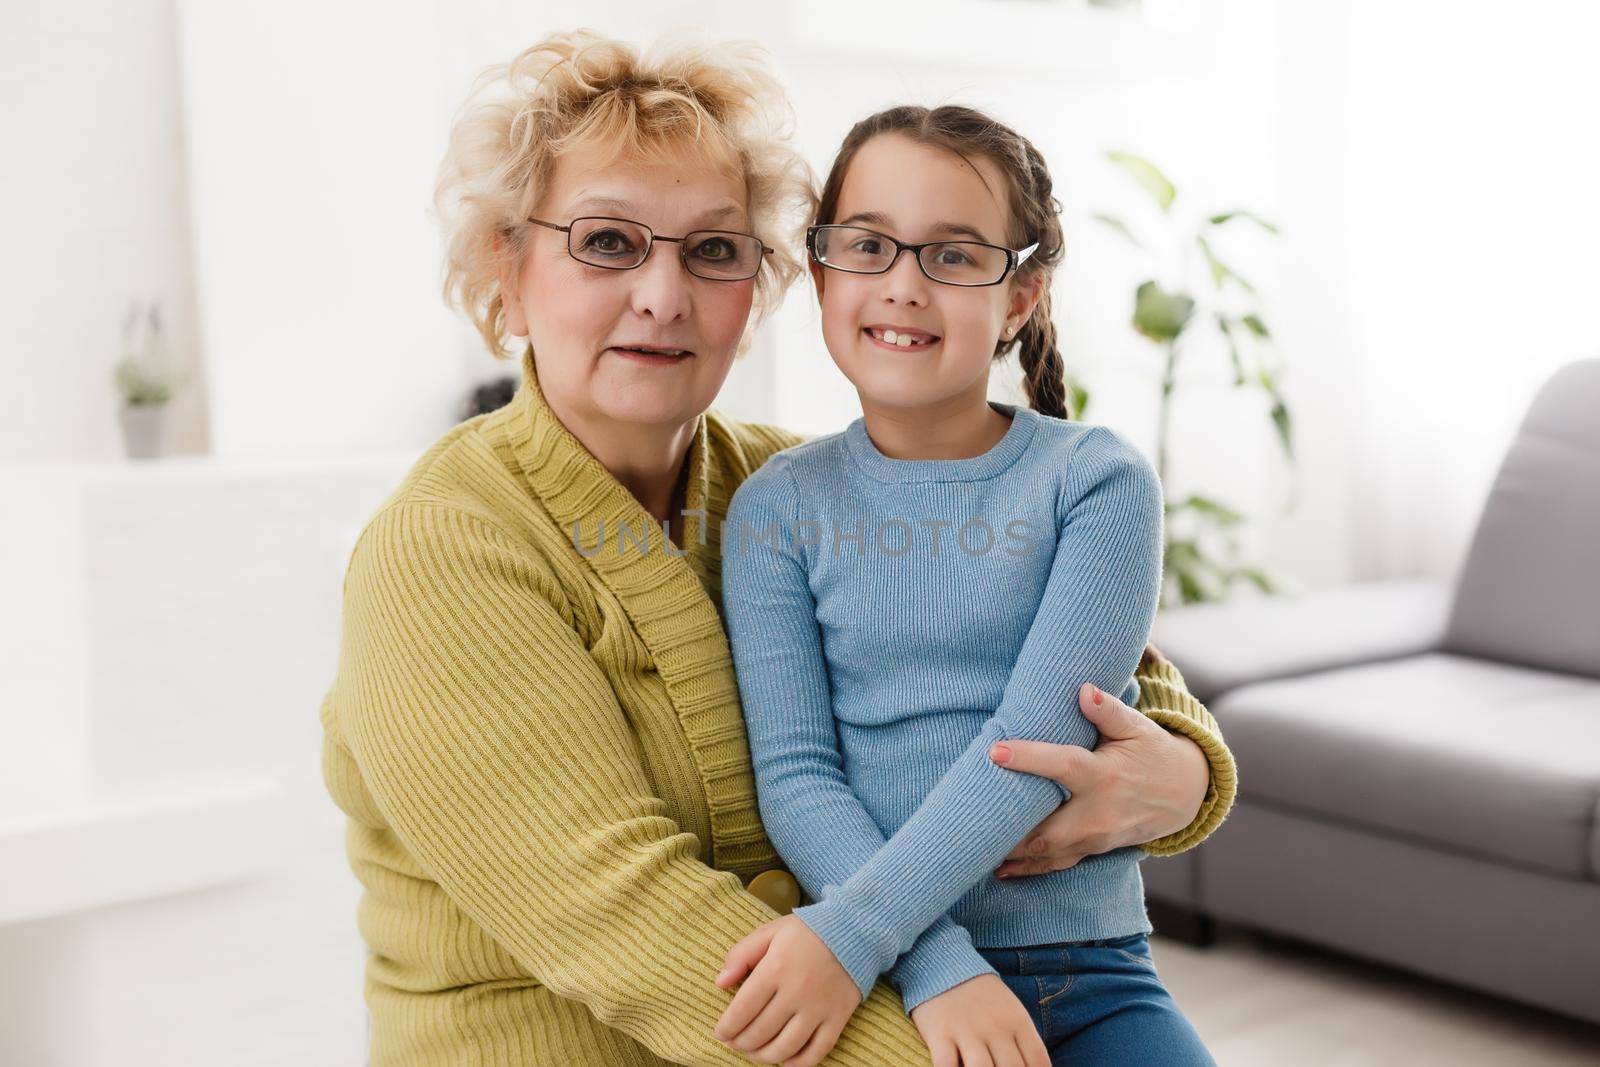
<point x="499" y="755"/>
<point x="1091" y="626"/>
<point x="783" y="683"/>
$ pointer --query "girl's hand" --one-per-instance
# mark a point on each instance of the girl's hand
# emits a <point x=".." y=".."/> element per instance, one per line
<point x="1141" y="783"/>
<point x="979" y="1023"/>
<point x="796" y="1001"/>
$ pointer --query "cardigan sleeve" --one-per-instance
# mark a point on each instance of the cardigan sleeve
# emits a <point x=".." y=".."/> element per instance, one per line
<point x="497" y="752"/>
<point x="1166" y="700"/>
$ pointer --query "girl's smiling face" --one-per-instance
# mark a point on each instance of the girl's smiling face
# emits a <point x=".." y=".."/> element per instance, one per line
<point x="915" y="193"/>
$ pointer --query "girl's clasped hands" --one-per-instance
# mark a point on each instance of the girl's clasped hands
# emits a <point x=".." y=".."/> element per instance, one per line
<point x="795" y="998"/>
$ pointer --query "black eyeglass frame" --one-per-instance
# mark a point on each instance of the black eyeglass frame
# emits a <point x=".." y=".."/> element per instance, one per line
<point x="683" y="253"/>
<point x="1015" y="257"/>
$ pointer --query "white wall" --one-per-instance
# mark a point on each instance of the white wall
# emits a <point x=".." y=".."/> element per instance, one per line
<point x="96" y="209"/>
<point x="314" y="130"/>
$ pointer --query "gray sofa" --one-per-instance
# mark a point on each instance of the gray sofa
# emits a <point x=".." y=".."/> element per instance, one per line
<point x="1419" y="764"/>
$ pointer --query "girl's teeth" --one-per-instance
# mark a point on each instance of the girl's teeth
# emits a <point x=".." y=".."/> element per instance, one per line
<point x="903" y="340"/>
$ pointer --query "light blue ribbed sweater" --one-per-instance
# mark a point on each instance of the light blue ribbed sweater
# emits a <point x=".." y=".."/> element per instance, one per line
<point x="884" y="641"/>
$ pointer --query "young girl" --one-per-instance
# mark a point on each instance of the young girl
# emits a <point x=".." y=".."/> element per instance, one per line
<point x="903" y="595"/>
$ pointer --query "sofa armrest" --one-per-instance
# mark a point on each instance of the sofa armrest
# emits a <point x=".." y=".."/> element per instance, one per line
<point x="1219" y="647"/>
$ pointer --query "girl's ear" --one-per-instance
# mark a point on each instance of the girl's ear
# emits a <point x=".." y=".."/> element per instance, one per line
<point x="1025" y="296"/>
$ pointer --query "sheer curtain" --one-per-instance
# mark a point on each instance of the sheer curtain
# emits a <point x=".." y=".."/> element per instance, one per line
<point x="1474" y="268"/>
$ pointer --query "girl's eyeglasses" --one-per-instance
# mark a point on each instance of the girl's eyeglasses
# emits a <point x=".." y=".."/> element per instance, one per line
<point x="862" y="251"/>
<point x="622" y="244"/>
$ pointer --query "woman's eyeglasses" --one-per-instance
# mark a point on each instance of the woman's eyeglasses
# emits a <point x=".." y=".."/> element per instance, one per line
<point x="622" y="244"/>
<point x="862" y="251"/>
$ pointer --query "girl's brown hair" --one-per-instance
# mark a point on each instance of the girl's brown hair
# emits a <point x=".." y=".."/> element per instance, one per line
<point x="1035" y="216"/>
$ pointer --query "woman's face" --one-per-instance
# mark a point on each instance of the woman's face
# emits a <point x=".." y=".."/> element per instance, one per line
<point x="916" y="193"/>
<point x="583" y="320"/>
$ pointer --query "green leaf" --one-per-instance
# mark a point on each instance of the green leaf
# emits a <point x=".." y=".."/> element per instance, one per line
<point x="1118" y="225"/>
<point x="1190" y="589"/>
<point x="1077" y="398"/>
<point x="1261" y="579"/>
<point x="1180" y="550"/>
<point x="1215" y="510"/>
<point x="1257" y="327"/>
<point x="1218" y="220"/>
<point x="1148" y="176"/>
<point x="1226" y="324"/>
<point x="1160" y="315"/>
<point x="1280" y="419"/>
<point x="1220" y="271"/>
<point x="1194" y="573"/>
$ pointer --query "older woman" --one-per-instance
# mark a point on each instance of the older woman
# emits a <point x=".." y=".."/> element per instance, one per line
<point x="535" y="727"/>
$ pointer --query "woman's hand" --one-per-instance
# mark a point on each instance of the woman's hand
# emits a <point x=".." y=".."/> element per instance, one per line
<point x="1142" y="782"/>
<point x="979" y="1023"/>
<point x="796" y="1001"/>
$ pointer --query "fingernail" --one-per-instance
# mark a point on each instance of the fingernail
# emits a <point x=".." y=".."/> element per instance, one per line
<point x="1099" y="697"/>
<point x="1000" y="754"/>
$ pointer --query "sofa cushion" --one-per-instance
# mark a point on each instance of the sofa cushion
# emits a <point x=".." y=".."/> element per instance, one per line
<point x="1219" y="647"/>
<point x="1491" y="760"/>
<point x="1529" y="592"/>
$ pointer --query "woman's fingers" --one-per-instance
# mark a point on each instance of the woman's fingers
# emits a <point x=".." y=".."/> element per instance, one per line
<point x="1114" y="719"/>
<point x="1073" y="765"/>
<point x="1068" y="764"/>
<point x="1037" y="843"/>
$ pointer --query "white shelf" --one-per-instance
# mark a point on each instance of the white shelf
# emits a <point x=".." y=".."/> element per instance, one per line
<point x="116" y="851"/>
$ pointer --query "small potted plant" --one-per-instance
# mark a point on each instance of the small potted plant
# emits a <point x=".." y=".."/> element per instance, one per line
<point x="145" y="382"/>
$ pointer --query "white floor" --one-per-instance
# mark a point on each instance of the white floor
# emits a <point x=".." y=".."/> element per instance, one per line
<point x="1263" y="1001"/>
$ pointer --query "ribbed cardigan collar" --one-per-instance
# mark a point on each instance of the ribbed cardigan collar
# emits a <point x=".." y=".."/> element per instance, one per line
<point x="667" y="598"/>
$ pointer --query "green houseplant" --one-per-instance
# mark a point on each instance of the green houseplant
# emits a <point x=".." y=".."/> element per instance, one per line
<point x="1203" y="559"/>
<point x="145" y="381"/>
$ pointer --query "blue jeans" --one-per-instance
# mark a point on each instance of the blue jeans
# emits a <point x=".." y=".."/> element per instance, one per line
<point x="1100" y="1002"/>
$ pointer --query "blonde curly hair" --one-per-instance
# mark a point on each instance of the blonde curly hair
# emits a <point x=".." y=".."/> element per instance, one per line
<point x="721" y="104"/>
